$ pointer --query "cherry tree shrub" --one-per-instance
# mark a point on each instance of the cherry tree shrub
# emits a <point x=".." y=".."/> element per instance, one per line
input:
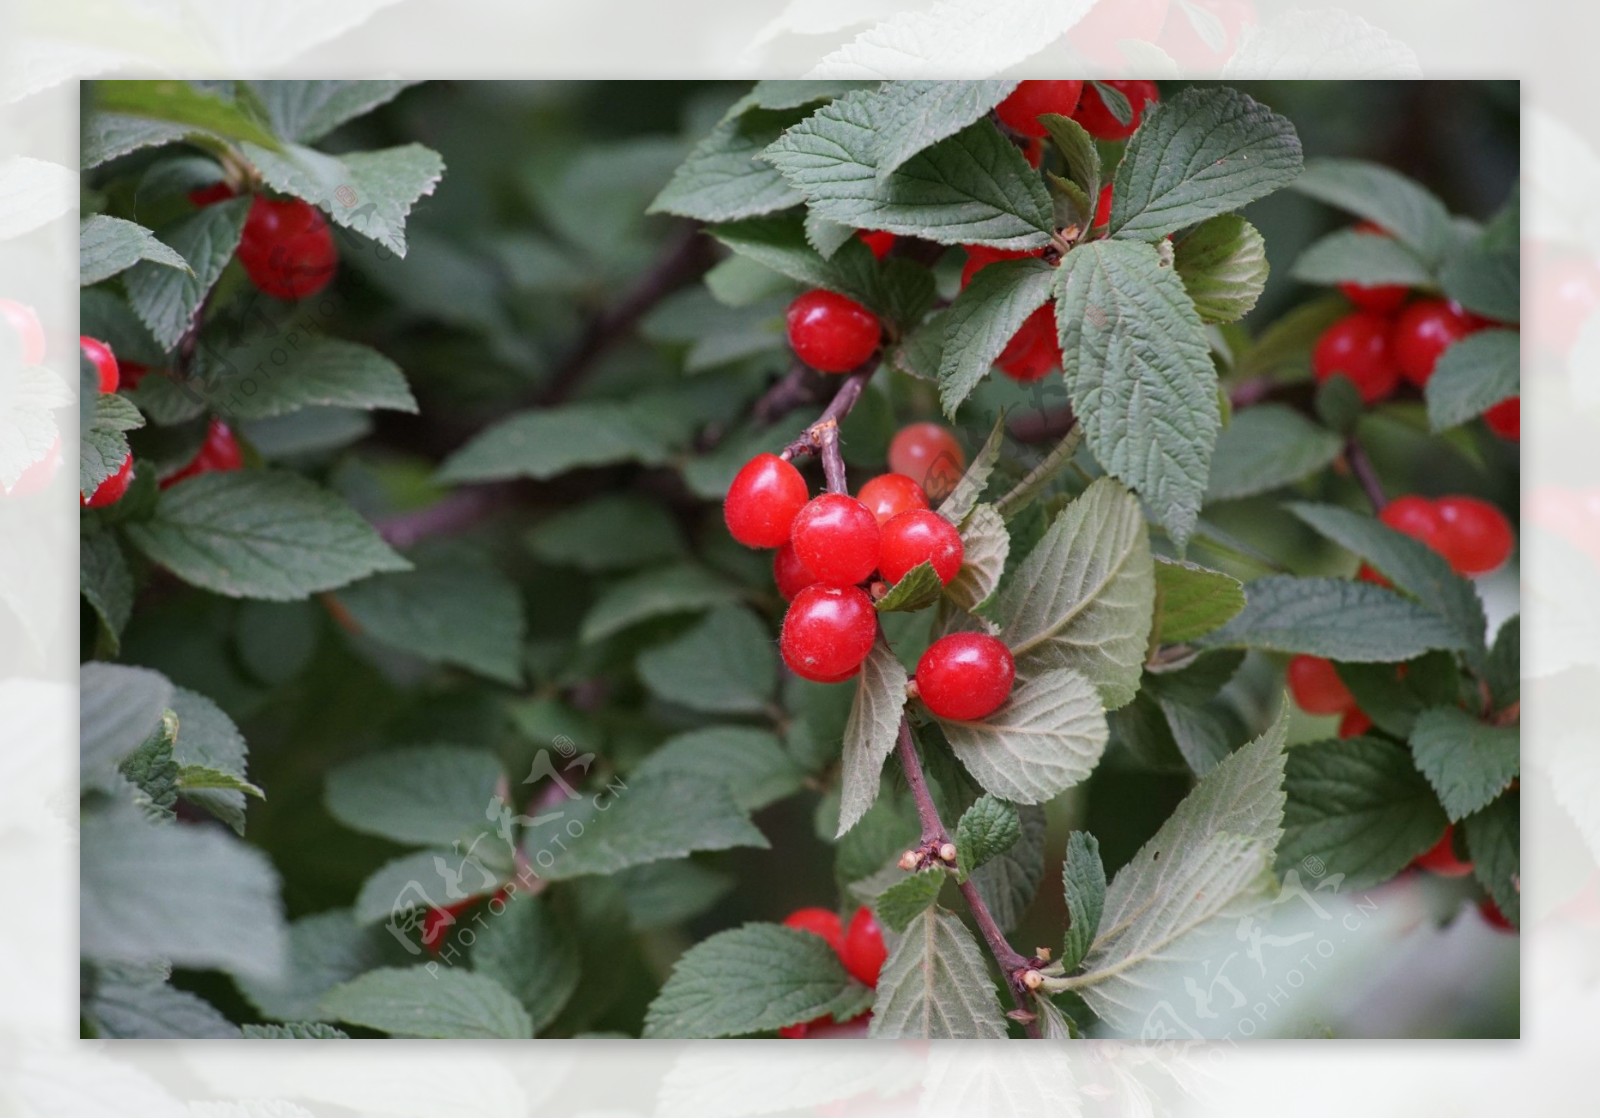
<point x="868" y="460"/>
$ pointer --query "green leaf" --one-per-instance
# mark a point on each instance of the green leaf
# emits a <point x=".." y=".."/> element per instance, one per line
<point x="118" y="708"/>
<point x="1223" y="265"/>
<point x="153" y="773"/>
<point x="1008" y="882"/>
<point x="964" y="495"/>
<point x="918" y="589"/>
<point x="827" y="237"/>
<point x="680" y="589"/>
<point x="1485" y="278"/>
<point x="138" y="1002"/>
<point x="108" y="245"/>
<point x="911" y="116"/>
<point x="1079" y="152"/>
<point x="779" y="243"/>
<point x="1468" y="762"/>
<point x="1358" y="257"/>
<point x="1139" y="371"/>
<point x="667" y="893"/>
<point x="454" y="607"/>
<point x="726" y="665"/>
<point x="1199" y="154"/>
<point x="294" y="1031"/>
<point x="194" y="896"/>
<point x="403" y="889"/>
<point x="1084" y="597"/>
<point x="530" y="953"/>
<point x="369" y="192"/>
<point x="1494" y="843"/>
<point x="428" y="1001"/>
<point x="1334" y="618"/>
<point x="105" y="136"/>
<point x="1285" y="346"/>
<point x="749" y="763"/>
<point x="325" y="949"/>
<point x="308" y="111"/>
<point x="615" y="532"/>
<point x="972" y="187"/>
<point x="903" y="902"/>
<point x="1268" y="446"/>
<point x="416" y="794"/>
<point x="106" y="583"/>
<point x="211" y="756"/>
<point x="722" y="180"/>
<point x="1043" y="740"/>
<point x="546" y="442"/>
<point x="747" y="980"/>
<point x="871" y="733"/>
<point x="985" y="544"/>
<point x="935" y="984"/>
<point x="796" y="94"/>
<point x="1474" y="375"/>
<point x="1191" y="600"/>
<point x="983" y="319"/>
<point x="104" y="445"/>
<point x="261" y="534"/>
<point x="167" y="300"/>
<point x="273" y="374"/>
<point x="182" y="104"/>
<point x="1384" y="197"/>
<point x="1503" y="669"/>
<point x="1393" y="703"/>
<point x="1083" y="877"/>
<point x="1207" y="867"/>
<point x="990" y="827"/>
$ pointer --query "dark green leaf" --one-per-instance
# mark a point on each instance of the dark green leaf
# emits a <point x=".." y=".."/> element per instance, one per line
<point x="1494" y="843"/>
<point x="918" y="589"/>
<point x="722" y="179"/>
<point x="1191" y="600"/>
<point x="417" y="794"/>
<point x="527" y="949"/>
<point x="989" y="828"/>
<point x="726" y="664"/>
<point x="108" y="245"/>
<point x="167" y="299"/>
<point x="1474" y="375"/>
<point x="1358" y="257"/>
<point x="904" y="901"/>
<point x="1384" y="197"/>
<point x="1266" y="447"/>
<point x="1334" y="618"/>
<point x="1083" y="877"/>
<point x="1008" y="882"/>
<point x="1468" y="762"/>
<point x="105" y="582"/>
<point x="370" y="192"/>
<point x="983" y="319"/>
<point x="276" y="373"/>
<point x="748" y="762"/>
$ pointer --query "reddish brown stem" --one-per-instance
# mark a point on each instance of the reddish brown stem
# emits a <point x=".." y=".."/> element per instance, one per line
<point x="1361" y="466"/>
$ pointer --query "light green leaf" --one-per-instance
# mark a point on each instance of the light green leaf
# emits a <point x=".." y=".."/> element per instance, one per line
<point x="749" y="763"/>
<point x="1384" y="197"/>
<point x="325" y="949"/>
<point x="1083" y="877"/>
<point x="1140" y="374"/>
<point x="615" y="532"/>
<point x="985" y="544"/>
<point x="417" y="794"/>
<point x="871" y="733"/>
<point x="911" y="116"/>
<point x="1265" y="447"/>
<point x="105" y="136"/>
<point x="1008" y="882"/>
<point x="275" y="373"/>
<point x="983" y="318"/>
<point x="369" y="192"/>
<point x="964" y="495"/>
<point x="182" y="104"/>
<point x="1334" y="618"/>
<point x="1192" y="600"/>
<point x="1468" y="762"/>
<point x="1474" y="375"/>
<point x="1494" y="843"/>
<point x="529" y="952"/>
<point x="679" y="589"/>
<point x="722" y="179"/>
<point x="1223" y="265"/>
<point x="165" y="299"/>
<point x="1351" y="256"/>
<point x="987" y="829"/>
<point x="1080" y="153"/>
<point x="261" y="534"/>
<point x="108" y="245"/>
<point x="935" y="984"/>
<point x="308" y="111"/>
<point x="549" y="441"/>
<point x="436" y="1002"/>
<point x="918" y="589"/>
<point x="726" y="664"/>
<point x="902" y="902"/>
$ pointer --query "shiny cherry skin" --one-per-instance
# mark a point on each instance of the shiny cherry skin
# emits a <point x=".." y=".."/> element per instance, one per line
<point x="111" y="491"/>
<point x="830" y="333"/>
<point x="1184" y="43"/>
<point x="1098" y="35"/>
<point x="1505" y="419"/>
<point x="287" y="248"/>
<point x="1316" y="687"/>
<point x="1382" y="299"/>
<point x="1034" y="350"/>
<point x="219" y="452"/>
<point x="1099" y="122"/>
<point x="1023" y="107"/>
<point x="789" y="573"/>
<point x="965" y="675"/>
<point x="103" y="360"/>
<point x="1424" y="331"/>
<point x="763" y="500"/>
<point x="211" y="193"/>
<point x="1358" y="347"/>
<point x="1416" y="517"/>
<point x="980" y="257"/>
<point x="1474" y="535"/>
<point x="836" y="537"/>
<point x="929" y="455"/>
<point x="889" y="495"/>
<point x="917" y="537"/>
<point x="1441" y="858"/>
<point x="1354" y="724"/>
<point x="1102" y="208"/>
<point x="863" y="953"/>
<point x="23" y="321"/>
<point x="819" y="922"/>
<point x="828" y="632"/>
<point x="878" y="241"/>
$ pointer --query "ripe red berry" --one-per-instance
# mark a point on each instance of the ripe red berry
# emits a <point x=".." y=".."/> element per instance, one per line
<point x="1316" y="686"/>
<point x="1187" y="45"/>
<point x="917" y="537"/>
<point x="1102" y="208"/>
<point x="1021" y="110"/>
<point x="211" y="193"/>
<point x="889" y="495"/>
<point x="1424" y="331"/>
<point x="1033" y="152"/>
<point x="1496" y="919"/>
<point x="1441" y="858"/>
<point x="762" y="501"/>
<point x="110" y="491"/>
<point x="23" y="321"/>
<point x="930" y="456"/>
<point x="1098" y="35"/>
<point x="863" y="953"/>
<point x="789" y="573"/>
<point x="1416" y="517"/>
<point x="1354" y="724"/>
<point x="830" y="333"/>
<point x="965" y="675"/>
<point x="1505" y="419"/>
<point x="836" y="537"/>
<point x="1357" y="347"/>
<point x="821" y="922"/>
<point x="980" y="257"/>
<point x="1034" y="350"/>
<point x="1473" y="535"/>
<point x="1099" y="121"/>
<point x="104" y="361"/>
<point x="1382" y="299"/>
<point x="287" y="248"/>
<point x="828" y="632"/>
<point x="878" y="241"/>
<point x="219" y="452"/>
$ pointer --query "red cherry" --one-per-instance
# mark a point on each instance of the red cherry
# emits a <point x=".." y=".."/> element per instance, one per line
<point x="879" y="242"/>
<point x="789" y="573"/>
<point x="1021" y="110"/>
<point x="1424" y="331"/>
<point x="965" y="675"/>
<point x="889" y="495"/>
<point x="104" y="361"/>
<point x="980" y="257"/>
<point x="762" y="501"/>
<point x="1033" y="152"/>
<point x="1354" y="724"/>
<point x="1505" y="419"/>
<point x="24" y="323"/>
<point x="830" y="333"/>
<point x="1474" y="536"/>
<point x="836" y="537"/>
<point x="211" y="193"/>
<point x="1416" y="517"/>
<point x="219" y="452"/>
<point x="1496" y="919"/>
<point x="287" y="248"/>
<point x="1566" y="292"/>
<point x="821" y="922"/>
<point x="917" y="537"/>
<point x="1357" y="347"/>
<point x="1096" y="36"/>
<point x="110" y="491"/>
<point x="1382" y="299"/>
<point x="1102" y="208"/>
<point x="436" y="923"/>
<point x="1098" y="121"/>
<point x="863" y="953"/>
<point x="133" y="373"/>
<point x="1184" y="43"/>
<point x="828" y="632"/>
<point x="1316" y="687"/>
<point x="1441" y="858"/>
<point x="1034" y="350"/>
<point x="930" y="456"/>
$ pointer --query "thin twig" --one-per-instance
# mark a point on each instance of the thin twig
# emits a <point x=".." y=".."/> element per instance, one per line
<point x="794" y="388"/>
<point x="456" y="511"/>
<point x="933" y="831"/>
<point x="1361" y="466"/>
<point x="810" y="441"/>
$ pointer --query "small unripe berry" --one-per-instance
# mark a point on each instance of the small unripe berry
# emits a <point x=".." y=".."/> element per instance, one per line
<point x="111" y="491"/>
<point x="1316" y="686"/>
<point x="864" y="952"/>
<point x="789" y="573"/>
<point x="1505" y="419"/>
<point x="23" y="322"/>
<point x="830" y="333"/>
<point x="965" y="675"/>
<point x="947" y="853"/>
<point x="930" y="456"/>
<point x="917" y="537"/>
<point x="219" y="452"/>
<point x="1441" y="858"/>
<point x="103" y="360"/>
<point x="828" y="632"/>
<point x="1424" y="331"/>
<point x="287" y="248"/>
<point x="1099" y="122"/>
<point x="819" y="922"/>
<point x="762" y="501"/>
<point x="889" y="495"/>
<point x="1357" y="347"/>
<point x="836" y="537"/>
<point x="1020" y="111"/>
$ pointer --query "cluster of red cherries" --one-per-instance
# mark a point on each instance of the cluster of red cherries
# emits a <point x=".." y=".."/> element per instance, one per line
<point x="1391" y="338"/>
<point x="1472" y="535"/>
<point x="859" y="946"/>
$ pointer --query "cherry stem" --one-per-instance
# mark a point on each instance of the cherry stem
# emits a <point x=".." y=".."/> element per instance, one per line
<point x="1361" y="466"/>
<point x="822" y="437"/>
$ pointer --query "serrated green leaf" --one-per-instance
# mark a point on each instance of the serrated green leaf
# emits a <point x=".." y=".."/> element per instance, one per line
<point x="726" y="664"/>
<point x="105" y="136"/>
<point x="870" y="733"/>
<point x="1085" y="596"/>
<point x="529" y="951"/>
<point x="722" y="180"/>
<point x="681" y="588"/>
<point x="935" y="984"/>
<point x="1223" y="265"/>
<point x="184" y="105"/>
<point x="1009" y="881"/>
<point x="1191" y="600"/>
<point x="165" y="299"/>
<point x="1393" y="702"/>
<point x="1358" y="257"/>
<point x="1083" y="877"/>
<point x="307" y="111"/>
<point x="827" y="237"/>
<point x="779" y="243"/>
<point x="918" y="589"/>
<point x="104" y="444"/>
<point x="370" y="192"/>
<point x="549" y="441"/>
<point x="963" y="496"/>
<point x="795" y="94"/>
<point x="1268" y="446"/>
<point x="153" y="773"/>
<point x="1384" y="197"/>
<point x="211" y="756"/>
<point x="1503" y="669"/>
<point x="434" y="1002"/>
<point x="119" y="706"/>
<point x="902" y="902"/>
<point x="273" y="374"/>
<point x="749" y="763"/>
<point x="911" y="116"/>
<point x="108" y="245"/>
<point x="416" y="794"/>
<point x="294" y="1031"/>
<point x="1472" y="376"/>
<point x="1139" y="371"/>
<point x="137" y="1001"/>
<point x="747" y="980"/>
<point x="1494" y="843"/>
<point x="261" y="534"/>
<point x="1468" y="762"/>
<point x="105" y="583"/>
<point x="1485" y="277"/>
<point x="983" y="319"/>
<point x="985" y="544"/>
<point x="324" y="950"/>
<point x="1334" y="618"/>
<point x="1079" y="152"/>
<point x="989" y="828"/>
